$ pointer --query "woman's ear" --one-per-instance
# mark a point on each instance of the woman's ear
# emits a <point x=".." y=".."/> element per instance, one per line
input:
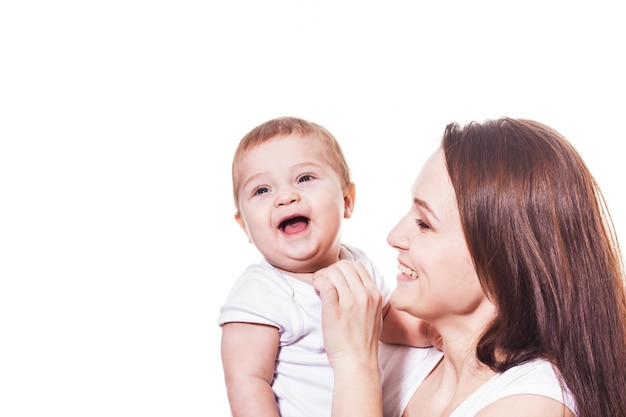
<point x="348" y="201"/>
<point x="242" y="224"/>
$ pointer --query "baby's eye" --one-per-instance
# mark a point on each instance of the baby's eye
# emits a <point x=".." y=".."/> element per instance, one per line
<point x="305" y="178"/>
<point x="261" y="190"/>
<point x="420" y="223"/>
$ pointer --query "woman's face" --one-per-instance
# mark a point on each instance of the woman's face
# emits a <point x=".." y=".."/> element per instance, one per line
<point x="437" y="278"/>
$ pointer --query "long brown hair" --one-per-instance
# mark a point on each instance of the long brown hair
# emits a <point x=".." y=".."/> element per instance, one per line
<point x="547" y="255"/>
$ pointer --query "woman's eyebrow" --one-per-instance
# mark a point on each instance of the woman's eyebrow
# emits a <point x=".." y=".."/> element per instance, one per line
<point x="423" y="204"/>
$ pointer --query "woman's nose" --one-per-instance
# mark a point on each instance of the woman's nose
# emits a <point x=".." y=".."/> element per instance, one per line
<point x="396" y="237"/>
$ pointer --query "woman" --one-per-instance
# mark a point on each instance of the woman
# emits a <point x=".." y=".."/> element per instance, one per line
<point x="509" y="252"/>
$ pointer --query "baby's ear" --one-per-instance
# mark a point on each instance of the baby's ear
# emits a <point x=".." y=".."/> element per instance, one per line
<point x="348" y="201"/>
<point x="242" y="224"/>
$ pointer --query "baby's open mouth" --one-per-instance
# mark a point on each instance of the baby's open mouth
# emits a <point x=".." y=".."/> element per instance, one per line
<point x="294" y="225"/>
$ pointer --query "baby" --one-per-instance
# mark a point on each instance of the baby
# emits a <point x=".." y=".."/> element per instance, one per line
<point x="292" y="189"/>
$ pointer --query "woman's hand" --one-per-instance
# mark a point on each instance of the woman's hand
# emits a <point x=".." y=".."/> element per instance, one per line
<point x="351" y="322"/>
<point x="351" y="310"/>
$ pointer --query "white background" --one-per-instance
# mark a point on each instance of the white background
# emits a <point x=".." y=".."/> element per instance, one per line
<point x="118" y="120"/>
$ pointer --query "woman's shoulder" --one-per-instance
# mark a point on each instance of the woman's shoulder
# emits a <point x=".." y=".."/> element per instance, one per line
<point x="521" y="382"/>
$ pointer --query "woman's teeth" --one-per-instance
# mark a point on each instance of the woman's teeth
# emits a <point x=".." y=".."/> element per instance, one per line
<point x="408" y="272"/>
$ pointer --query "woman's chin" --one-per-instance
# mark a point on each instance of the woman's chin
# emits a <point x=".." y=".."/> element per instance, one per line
<point x="399" y="302"/>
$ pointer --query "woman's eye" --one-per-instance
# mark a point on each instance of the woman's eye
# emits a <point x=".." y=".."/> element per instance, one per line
<point x="420" y="223"/>
<point x="305" y="178"/>
<point x="261" y="190"/>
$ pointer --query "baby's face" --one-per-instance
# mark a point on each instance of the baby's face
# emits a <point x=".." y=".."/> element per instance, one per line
<point x="291" y="203"/>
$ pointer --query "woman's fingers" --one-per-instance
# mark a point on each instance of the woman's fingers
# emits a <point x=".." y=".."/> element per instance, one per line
<point x="350" y="279"/>
<point x="351" y="309"/>
<point x="356" y="288"/>
<point x="365" y="278"/>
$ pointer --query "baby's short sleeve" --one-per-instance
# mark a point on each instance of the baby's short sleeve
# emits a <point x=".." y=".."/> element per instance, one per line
<point x="262" y="295"/>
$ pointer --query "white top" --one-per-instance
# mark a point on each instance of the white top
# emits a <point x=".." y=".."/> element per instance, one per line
<point x="303" y="381"/>
<point x="405" y="368"/>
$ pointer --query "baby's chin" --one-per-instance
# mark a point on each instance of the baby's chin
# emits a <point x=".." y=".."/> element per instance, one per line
<point x="304" y="262"/>
<point x="293" y="268"/>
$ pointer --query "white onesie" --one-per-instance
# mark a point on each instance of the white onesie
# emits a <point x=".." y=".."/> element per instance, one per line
<point x="303" y="379"/>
